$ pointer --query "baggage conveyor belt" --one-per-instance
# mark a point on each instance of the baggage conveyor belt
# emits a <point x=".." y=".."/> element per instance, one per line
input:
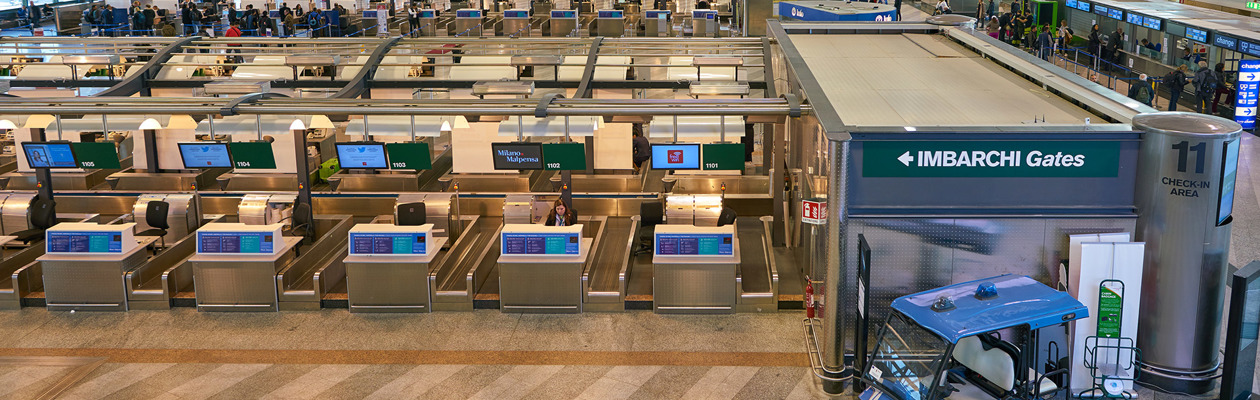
<point x="606" y="276"/>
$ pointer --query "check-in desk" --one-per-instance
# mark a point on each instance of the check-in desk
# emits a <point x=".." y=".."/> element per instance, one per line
<point x="693" y="269"/>
<point x="564" y="23"/>
<point x="468" y="23"/>
<point x="388" y="267"/>
<point x="428" y="23"/>
<point x="236" y="264"/>
<point x="516" y="23"/>
<point x="610" y="23"/>
<point x="540" y="268"/>
<point x="657" y="23"/>
<point x="704" y="23"/>
<point x="85" y="265"/>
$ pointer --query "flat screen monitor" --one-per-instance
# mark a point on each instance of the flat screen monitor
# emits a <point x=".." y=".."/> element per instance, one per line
<point x="519" y="14"/>
<point x="362" y="155"/>
<point x="567" y="14"/>
<point x="468" y="14"/>
<point x="1229" y="175"/>
<point x="205" y="155"/>
<point x="1197" y="35"/>
<point x="49" y="155"/>
<point x="676" y="156"/>
<point x="517" y="155"/>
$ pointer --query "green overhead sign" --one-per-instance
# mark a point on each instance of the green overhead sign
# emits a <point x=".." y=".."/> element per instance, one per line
<point x="990" y="159"/>
<point x="252" y="155"/>
<point x="96" y="155"/>
<point x="723" y="156"/>
<point x="414" y="156"/>
<point x="564" y="156"/>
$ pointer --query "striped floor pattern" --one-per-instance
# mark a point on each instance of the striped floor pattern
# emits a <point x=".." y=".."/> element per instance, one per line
<point x="428" y="381"/>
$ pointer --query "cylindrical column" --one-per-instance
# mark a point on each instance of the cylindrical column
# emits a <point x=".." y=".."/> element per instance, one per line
<point x="1185" y="192"/>
<point x="835" y="293"/>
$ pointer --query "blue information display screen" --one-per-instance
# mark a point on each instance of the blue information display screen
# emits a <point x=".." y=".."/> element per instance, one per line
<point x="235" y="242"/>
<point x="611" y="14"/>
<point x="1153" y="23"/>
<point x="703" y="14"/>
<point x="1197" y="35"/>
<point x="427" y="14"/>
<point x="541" y="243"/>
<point x="1070" y="3"/>
<point x="388" y="243"/>
<point x="362" y="155"/>
<point x="516" y="14"/>
<point x="563" y="14"/>
<point x="468" y="14"/>
<point x="517" y="155"/>
<point x="658" y="14"/>
<point x="83" y="242"/>
<point x="676" y="156"/>
<point x="49" y="155"/>
<point x="205" y="155"/>
<point x="1248" y="90"/>
<point x="1101" y="10"/>
<point x="694" y="244"/>
<point x="1251" y="49"/>
<point x="1134" y="19"/>
<point x="1083" y="6"/>
<point x="1115" y="14"/>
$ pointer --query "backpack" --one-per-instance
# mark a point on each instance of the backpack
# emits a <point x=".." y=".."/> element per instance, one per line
<point x="1144" y="94"/>
<point x="87" y="17"/>
<point x="1208" y="86"/>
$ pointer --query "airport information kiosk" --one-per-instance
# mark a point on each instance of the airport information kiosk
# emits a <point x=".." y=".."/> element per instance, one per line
<point x="387" y="269"/>
<point x="693" y="269"/>
<point x="236" y="264"/>
<point x="540" y="268"/>
<point x="85" y="265"/>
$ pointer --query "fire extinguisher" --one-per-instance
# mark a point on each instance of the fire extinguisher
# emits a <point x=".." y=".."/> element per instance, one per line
<point x="809" y="298"/>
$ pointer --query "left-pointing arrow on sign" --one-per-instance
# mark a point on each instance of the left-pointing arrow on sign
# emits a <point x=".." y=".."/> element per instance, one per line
<point x="906" y="158"/>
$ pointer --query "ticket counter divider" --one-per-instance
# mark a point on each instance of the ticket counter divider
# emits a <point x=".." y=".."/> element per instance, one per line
<point x="547" y="282"/>
<point x="282" y="280"/>
<point x="85" y="265"/>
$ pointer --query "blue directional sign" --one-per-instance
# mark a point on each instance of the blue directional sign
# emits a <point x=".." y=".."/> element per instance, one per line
<point x="1248" y="90"/>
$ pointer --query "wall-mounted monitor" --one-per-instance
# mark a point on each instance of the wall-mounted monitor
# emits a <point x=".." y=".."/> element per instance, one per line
<point x="517" y="155"/>
<point x="1249" y="48"/>
<point x="362" y="155"/>
<point x="1229" y="175"/>
<point x="676" y="156"/>
<point x="205" y="155"/>
<point x="1101" y="10"/>
<point x="1197" y="35"/>
<point x="49" y="155"/>
<point x="1134" y="19"/>
<point x="1116" y="14"/>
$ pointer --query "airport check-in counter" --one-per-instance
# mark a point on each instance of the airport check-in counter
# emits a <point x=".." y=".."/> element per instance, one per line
<point x="388" y="267"/>
<point x="540" y="268"/>
<point x="694" y="269"/>
<point x="85" y="265"/>
<point x="469" y="23"/>
<point x="428" y="23"/>
<point x="611" y="23"/>
<point x="236" y="265"/>
<point x="564" y="23"/>
<point x="704" y="23"/>
<point x="657" y="23"/>
<point x="517" y="23"/>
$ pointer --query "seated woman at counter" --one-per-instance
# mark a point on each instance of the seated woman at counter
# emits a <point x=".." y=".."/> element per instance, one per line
<point x="561" y="214"/>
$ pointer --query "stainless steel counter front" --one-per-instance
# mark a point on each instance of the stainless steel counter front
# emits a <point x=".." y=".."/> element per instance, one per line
<point x="390" y="283"/>
<point x="240" y="282"/>
<point x="91" y="281"/>
<point x="543" y="284"/>
<point x="695" y="285"/>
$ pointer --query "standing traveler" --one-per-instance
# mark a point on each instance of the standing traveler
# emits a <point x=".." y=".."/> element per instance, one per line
<point x="1205" y="83"/>
<point x="1095" y="43"/>
<point x="1176" y="81"/>
<point x="150" y="19"/>
<point x="642" y="149"/>
<point x="1221" y="88"/>
<point x="1141" y="90"/>
<point x="1044" y="42"/>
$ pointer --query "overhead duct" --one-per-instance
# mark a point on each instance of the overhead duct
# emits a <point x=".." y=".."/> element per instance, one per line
<point x="550" y="126"/>
<point x="697" y="126"/>
<point x="402" y="125"/>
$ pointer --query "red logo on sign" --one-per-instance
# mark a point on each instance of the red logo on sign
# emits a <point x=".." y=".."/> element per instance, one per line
<point x="674" y="156"/>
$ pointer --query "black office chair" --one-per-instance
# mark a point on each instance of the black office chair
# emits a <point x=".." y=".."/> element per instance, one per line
<point x="651" y="214"/>
<point x="411" y="214"/>
<point x="41" y="216"/>
<point x="301" y="221"/>
<point x="726" y="217"/>
<point x="155" y="214"/>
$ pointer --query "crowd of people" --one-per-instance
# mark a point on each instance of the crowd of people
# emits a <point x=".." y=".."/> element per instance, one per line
<point x="212" y="19"/>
